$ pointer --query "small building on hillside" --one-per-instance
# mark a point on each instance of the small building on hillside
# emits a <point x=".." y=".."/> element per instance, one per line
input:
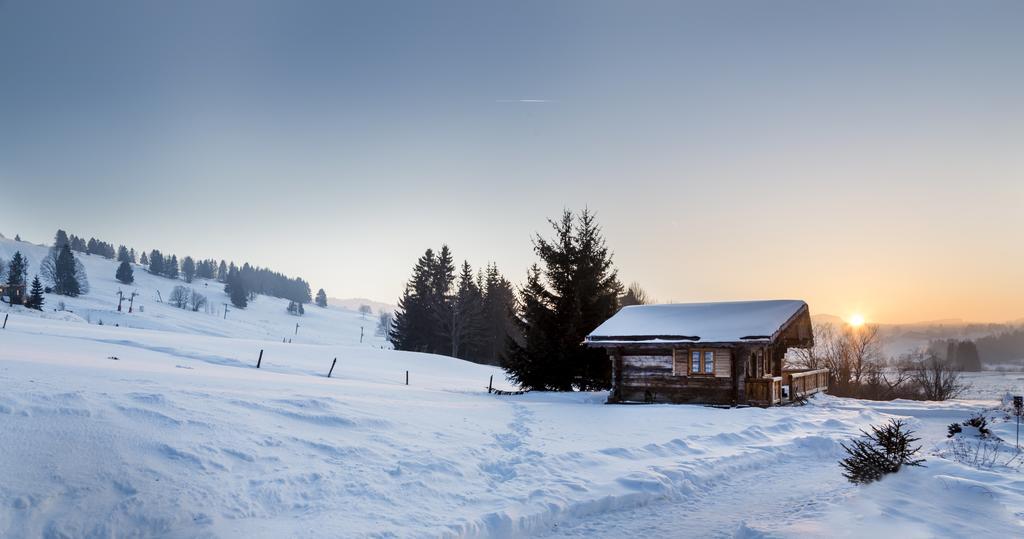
<point x="12" y="294"/>
<point x="711" y="353"/>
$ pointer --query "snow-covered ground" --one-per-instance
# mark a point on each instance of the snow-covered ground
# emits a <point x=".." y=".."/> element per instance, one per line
<point x="162" y="426"/>
<point x="265" y="318"/>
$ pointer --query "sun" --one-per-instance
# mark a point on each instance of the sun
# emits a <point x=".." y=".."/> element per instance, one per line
<point x="856" y="320"/>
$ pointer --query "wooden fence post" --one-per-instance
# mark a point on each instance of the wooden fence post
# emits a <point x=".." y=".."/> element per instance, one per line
<point x="260" y="360"/>
<point x="5" y="320"/>
<point x="406" y="377"/>
<point x="332" y="367"/>
<point x="490" y="384"/>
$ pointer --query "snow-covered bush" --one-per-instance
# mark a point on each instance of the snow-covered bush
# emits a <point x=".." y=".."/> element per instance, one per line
<point x="882" y="451"/>
<point x="977" y="423"/>
<point x="984" y="453"/>
<point x="972" y="443"/>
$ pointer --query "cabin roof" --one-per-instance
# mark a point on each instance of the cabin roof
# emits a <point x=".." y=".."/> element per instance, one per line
<point x="720" y="322"/>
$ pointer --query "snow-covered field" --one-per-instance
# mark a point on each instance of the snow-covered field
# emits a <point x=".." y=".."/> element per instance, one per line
<point x="162" y="426"/>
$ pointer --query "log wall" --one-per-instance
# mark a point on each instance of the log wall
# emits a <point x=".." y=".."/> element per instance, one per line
<point x="648" y="376"/>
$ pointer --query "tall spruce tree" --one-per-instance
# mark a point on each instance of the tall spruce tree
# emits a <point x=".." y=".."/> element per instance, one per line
<point x="413" y="326"/>
<point x="466" y="326"/>
<point x="122" y="254"/>
<point x="222" y="272"/>
<point x="321" y="298"/>
<point x="35" y="297"/>
<point x="235" y="287"/>
<point x="527" y="359"/>
<point x="171" y="267"/>
<point x="17" y="271"/>
<point x="188" y="269"/>
<point x="66" y="273"/>
<point x="125" y="274"/>
<point x="143" y="259"/>
<point x="156" y="262"/>
<point x="499" y="303"/>
<point x="441" y="302"/>
<point x="60" y="239"/>
<point x="577" y="290"/>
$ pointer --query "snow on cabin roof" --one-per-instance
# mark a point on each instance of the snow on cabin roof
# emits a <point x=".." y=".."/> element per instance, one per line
<point x="730" y="321"/>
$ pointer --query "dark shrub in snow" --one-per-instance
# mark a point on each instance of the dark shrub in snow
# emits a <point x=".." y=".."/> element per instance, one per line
<point x="882" y="451"/>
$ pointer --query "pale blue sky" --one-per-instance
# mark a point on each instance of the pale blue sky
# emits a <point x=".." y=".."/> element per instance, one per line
<point x="861" y="155"/>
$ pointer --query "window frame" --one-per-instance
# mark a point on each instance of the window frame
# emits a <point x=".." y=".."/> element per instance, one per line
<point x="685" y="357"/>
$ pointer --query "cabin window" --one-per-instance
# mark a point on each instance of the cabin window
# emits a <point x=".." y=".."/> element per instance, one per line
<point x="694" y="362"/>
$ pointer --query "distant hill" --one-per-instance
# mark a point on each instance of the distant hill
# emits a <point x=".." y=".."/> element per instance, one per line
<point x="353" y="304"/>
<point x="266" y="318"/>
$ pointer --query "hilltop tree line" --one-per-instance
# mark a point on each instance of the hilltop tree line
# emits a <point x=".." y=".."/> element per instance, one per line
<point x="536" y="331"/>
<point x="242" y="284"/>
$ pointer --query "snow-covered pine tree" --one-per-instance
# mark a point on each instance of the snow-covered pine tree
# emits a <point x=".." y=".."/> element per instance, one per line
<point x="122" y="254"/>
<point x="882" y="451"/>
<point x="144" y="260"/>
<point x="125" y="274"/>
<point x="156" y="262"/>
<point x="171" y="267"/>
<point x="17" y="271"/>
<point x="60" y="239"/>
<point x="321" y="298"/>
<point x="236" y="289"/>
<point x="65" y="281"/>
<point x="35" y="297"/>
<point x="188" y="269"/>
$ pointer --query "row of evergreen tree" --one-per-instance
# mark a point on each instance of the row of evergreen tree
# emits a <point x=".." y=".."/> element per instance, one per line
<point x="466" y="315"/>
<point x="250" y="280"/>
<point x="93" y="246"/>
<point x="535" y="333"/>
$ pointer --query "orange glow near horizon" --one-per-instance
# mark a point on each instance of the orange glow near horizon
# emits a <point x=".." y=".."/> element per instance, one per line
<point x="856" y="320"/>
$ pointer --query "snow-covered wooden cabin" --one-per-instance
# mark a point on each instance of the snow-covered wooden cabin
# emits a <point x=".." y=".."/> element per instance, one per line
<point x="711" y="353"/>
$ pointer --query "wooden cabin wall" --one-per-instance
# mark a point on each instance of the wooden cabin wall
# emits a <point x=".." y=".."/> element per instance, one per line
<point x="646" y="375"/>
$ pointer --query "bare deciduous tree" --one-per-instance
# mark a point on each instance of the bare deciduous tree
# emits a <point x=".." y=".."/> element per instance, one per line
<point x="384" y="323"/>
<point x="635" y="295"/>
<point x="196" y="300"/>
<point x="179" y="297"/>
<point x="935" y="378"/>
<point x="365" y="310"/>
<point x="851" y="354"/>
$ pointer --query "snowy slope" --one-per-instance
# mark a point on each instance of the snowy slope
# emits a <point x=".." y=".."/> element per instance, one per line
<point x="265" y="318"/>
<point x="163" y="427"/>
